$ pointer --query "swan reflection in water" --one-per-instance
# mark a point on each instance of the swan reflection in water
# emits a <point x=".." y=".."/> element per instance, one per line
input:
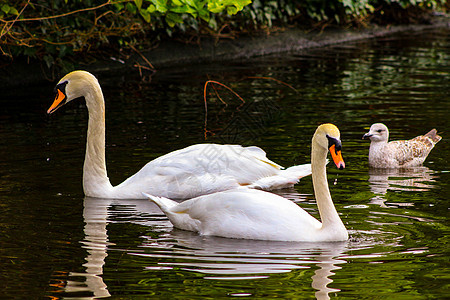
<point x="95" y="214"/>
<point x="217" y="258"/>
<point x="412" y="179"/>
<point x="233" y="259"/>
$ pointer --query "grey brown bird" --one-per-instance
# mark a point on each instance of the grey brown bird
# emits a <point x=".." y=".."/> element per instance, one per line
<point x="398" y="154"/>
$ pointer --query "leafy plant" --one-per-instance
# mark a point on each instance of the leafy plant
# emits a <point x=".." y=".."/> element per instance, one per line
<point x="51" y="30"/>
<point x="54" y="30"/>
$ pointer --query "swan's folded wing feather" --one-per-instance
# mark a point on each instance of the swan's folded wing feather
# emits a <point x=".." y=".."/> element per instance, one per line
<point x="262" y="156"/>
<point x="246" y="164"/>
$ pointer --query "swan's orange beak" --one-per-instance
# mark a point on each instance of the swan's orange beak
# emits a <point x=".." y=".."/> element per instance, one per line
<point x="58" y="101"/>
<point x="337" y="157"/>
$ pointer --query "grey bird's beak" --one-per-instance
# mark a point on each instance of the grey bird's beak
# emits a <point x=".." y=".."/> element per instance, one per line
<point x="366" y="136"/>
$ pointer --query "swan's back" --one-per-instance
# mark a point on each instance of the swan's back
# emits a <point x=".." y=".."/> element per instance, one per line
<point x="246" y="164"/>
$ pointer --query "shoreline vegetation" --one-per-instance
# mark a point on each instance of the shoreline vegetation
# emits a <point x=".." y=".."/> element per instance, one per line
<point x="53" y="37"/>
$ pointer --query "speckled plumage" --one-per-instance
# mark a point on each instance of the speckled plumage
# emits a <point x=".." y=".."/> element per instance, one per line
<point x="398" y="154"/>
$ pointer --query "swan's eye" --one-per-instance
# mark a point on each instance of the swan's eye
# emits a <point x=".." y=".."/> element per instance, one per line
<point x="379" y="130"/>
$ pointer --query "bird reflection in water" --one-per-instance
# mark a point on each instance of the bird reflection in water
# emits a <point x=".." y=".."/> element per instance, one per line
<point x="233" y="259"/>
<point x="412" y="179"/>
<point x="95" y="214"/>
<point x="216" y="258"/>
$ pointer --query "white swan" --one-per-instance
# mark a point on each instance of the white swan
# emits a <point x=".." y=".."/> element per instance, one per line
<point x="398" y="154"/>
<point x="193" y="171"/>
<point x="253" y="214"/>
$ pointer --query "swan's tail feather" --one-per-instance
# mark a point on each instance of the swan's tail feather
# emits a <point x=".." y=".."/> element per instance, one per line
<point x="284" y="179"/>
<point x="164" y="203"/>
<point x="178" y="216"/>
<point x="299" y="171"/>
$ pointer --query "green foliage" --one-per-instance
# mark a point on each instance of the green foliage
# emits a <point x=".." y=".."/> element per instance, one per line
<point x="6" y="10"/>
<point x="271" y="12"/>
<point x="52" y="30"/>
<point x="266" y="13"/>
<point x="175" y="11"/>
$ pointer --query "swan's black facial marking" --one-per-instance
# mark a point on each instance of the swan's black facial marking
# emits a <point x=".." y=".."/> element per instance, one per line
<point x="333" y="141"/>
<point x="62" y="87"/>
<point x="60" y="97"/>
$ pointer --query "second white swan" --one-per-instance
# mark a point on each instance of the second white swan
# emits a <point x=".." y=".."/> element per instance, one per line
<point x="181" y="174"/>
<point x="259" y="215"/>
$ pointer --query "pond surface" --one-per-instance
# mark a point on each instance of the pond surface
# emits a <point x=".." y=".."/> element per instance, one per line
<point x="55" y="243"/>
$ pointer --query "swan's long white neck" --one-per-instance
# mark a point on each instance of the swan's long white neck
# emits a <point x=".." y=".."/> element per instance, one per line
<point x="328" y="214"/>
<point x="95" y="178"/>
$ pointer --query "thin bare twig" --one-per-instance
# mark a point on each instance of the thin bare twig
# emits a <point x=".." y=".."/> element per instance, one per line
<point x="223" y="85"/>
<point x="8" y="24"/>
<point x="206" y="103"/>
<point x="60" y="15"/>
<point x="143" y="57"/>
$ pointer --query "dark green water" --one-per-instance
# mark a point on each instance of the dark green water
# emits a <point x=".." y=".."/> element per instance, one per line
<point x="57" y="244"/>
